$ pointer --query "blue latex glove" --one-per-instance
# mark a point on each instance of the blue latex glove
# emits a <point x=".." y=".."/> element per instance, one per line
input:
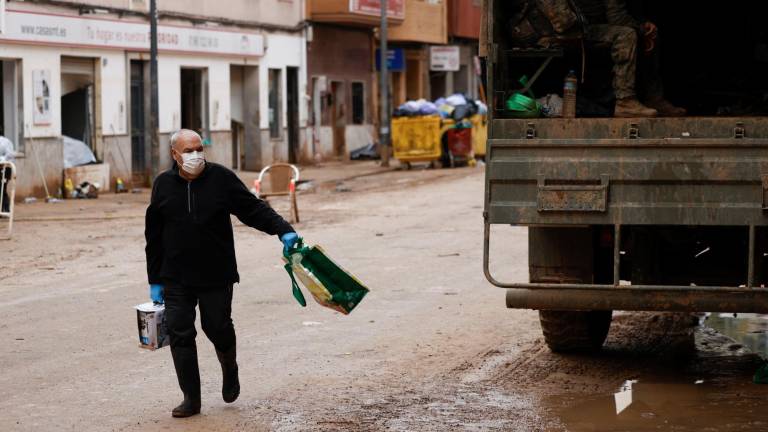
<point x="156" y="293"/>
<point x="289" y="241"/>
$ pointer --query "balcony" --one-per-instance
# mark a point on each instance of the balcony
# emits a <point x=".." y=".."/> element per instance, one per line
<point x="426" y="22"/>
<point x="355" y="12"/>
<point x="464" y="18"/>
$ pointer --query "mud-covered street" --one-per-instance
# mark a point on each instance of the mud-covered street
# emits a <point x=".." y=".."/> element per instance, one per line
<point x="432" y="347"/>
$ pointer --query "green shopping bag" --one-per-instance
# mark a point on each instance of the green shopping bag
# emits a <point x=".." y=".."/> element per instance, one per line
<point x="330" y="285"/>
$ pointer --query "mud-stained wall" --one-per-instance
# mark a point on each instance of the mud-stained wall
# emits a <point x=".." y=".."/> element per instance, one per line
<point x="50" y="153"/>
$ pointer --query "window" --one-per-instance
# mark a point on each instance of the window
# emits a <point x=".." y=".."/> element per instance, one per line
<point x="358" y="103"/>
<point x="275" y="127"/>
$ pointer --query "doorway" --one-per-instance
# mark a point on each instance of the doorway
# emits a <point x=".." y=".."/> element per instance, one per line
<point x="139" y="122"/>
<point x="194" y="100"/>
<point x="244" y="113"/>
<point x="10" y="102"/>
<point x="78" y="113"/>
<point x="293" y="114"/>
<point x="338" y="117"/>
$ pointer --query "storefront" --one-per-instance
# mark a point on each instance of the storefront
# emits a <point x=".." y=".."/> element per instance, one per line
<point x="87" y="77"/>
<point x="341" y="85"/>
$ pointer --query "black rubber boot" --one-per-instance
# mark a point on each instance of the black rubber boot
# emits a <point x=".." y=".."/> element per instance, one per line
<point x="230" y="388"/>
<point x="188" y="374"/>
<point x="188" y="407"/>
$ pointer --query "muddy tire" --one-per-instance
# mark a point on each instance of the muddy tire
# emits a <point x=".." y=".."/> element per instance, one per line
<point x="575" y="331"/>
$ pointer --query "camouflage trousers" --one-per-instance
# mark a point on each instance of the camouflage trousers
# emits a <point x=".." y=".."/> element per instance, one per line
<point x="623" y="42"/>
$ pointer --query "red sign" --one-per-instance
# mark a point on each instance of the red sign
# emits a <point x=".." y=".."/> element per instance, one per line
<point x="395" y="8"/>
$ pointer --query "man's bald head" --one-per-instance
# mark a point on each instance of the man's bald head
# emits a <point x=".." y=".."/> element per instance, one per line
<point x="184" y="137"/>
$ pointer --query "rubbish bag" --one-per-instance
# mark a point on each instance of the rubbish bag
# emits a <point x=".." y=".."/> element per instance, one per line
<point x="551" y="105"/>
<point x="76" y="153"/>
<point x="330" y="285"/>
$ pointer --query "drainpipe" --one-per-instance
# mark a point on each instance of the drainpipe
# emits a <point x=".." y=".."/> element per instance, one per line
<point x="154" y="109"/>
<point x="384" y="127"/>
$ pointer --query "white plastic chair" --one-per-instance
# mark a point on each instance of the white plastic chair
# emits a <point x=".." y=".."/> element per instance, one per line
<point x="279" y="180"/>
<point x="7" y="185"/>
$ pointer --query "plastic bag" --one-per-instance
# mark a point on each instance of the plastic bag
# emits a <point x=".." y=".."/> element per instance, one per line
<point x="330" y="285"/>
<point x="76" y="153"/>
<point x="551" y="105"/>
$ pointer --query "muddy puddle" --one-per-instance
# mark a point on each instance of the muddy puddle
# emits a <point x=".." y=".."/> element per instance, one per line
<point x="712" y="390"/>
<point x="682" y="406"/>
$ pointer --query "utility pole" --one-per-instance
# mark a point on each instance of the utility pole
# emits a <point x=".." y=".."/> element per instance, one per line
<point x="154" y="107"/>
<point x="384" y="126"/>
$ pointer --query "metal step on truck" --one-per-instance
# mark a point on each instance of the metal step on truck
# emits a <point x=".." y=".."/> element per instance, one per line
<point x="634" y="214"/>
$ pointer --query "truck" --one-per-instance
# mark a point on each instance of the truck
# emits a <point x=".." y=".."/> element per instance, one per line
<point x="633" y="214"/>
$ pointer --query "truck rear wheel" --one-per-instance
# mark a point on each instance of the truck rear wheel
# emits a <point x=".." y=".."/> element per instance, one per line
<point x="571" y="255"/>
<point x="570" y="331"/>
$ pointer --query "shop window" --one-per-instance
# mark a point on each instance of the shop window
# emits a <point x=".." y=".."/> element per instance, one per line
<point x="358" y="103"/>
<point x="275" y="98"/>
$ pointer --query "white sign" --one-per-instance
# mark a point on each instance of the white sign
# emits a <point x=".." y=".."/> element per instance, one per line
<point x="75" y="31"/>
<point x="41" y="92"/>
<point x="444" y="58"/>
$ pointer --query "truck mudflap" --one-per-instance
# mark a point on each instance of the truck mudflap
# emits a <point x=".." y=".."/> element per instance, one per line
<point x="537" y="177"/>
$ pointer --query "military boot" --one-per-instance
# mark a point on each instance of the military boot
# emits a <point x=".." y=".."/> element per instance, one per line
<point x="665" y="108"/>
<point x="631" y="107"/>
<point x="230" y="388"/>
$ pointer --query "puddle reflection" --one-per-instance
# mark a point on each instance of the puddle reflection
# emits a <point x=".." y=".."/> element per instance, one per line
<point x="694" y="406"/>
<point x="750" y="330"/>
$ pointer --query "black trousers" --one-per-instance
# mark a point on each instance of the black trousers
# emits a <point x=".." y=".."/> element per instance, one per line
<point x="215" y="317"/>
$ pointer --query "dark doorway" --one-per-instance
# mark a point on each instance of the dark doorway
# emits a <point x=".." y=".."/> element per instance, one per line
<point x="438" y="83"/>
<point x="244" y="114"/>
<point x="75" y="114"/>
<point x="194" y="106"/>
<point x="139" y="121"/>
<point x="78" y="116"/>
<point x="293" y="114"/>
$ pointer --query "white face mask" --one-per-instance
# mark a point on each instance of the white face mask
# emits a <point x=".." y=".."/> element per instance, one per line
<point x="193" y="163"/>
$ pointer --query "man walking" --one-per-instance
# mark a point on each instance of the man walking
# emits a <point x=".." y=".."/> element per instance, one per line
<point x="191" y="258"/>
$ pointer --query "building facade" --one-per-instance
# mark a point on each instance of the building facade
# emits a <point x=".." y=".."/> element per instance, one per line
<point x="439" y="40"/>
<point x="236" y="74"/>
<point x="342" y="80"/>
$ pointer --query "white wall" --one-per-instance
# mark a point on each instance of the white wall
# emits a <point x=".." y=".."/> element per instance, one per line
<point x="169" y="90"/>
<point x="283" y="51"/>
<point x="113" y="97"/>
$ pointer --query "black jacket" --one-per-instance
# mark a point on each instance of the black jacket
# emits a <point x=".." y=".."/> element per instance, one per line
<point x="189" y="230"/>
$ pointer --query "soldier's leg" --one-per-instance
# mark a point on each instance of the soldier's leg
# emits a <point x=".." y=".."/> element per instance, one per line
<point x="651" y="84"/>
<point x="180" y="318"/>
<point x="623" y="43"/>
<point x="216" y="320"/>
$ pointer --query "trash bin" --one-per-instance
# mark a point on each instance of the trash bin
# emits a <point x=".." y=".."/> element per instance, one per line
<point x="459" y="143"/>
<point x="479" y="135"/>
<point x="416" y="139"/>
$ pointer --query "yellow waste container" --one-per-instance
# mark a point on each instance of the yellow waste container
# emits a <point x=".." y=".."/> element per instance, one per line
<point x="479" y="134"/>
<point x="416" y="139"/>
